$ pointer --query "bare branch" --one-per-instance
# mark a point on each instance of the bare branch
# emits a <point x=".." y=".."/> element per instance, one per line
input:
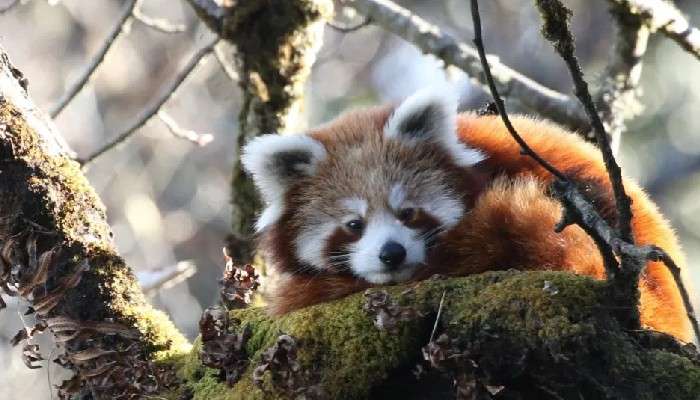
<point x="431" y="40"/>
<point x="200" y="139"/>
<point x="153" y="109"/>
<point x="226" y="65"/>
<point x="349" y="29"/>
<point x="617" y="99"/>
<point x="663" y="16"/>
<point x="159" y="24"/>
<point x="578" y="210"/>
<point x="153" y="281"/>
<point x="211" y="13"/>
<point x="9" y="6"/>
<point x="89" y="71"/>
<point x="658" y="254"/>
<point x="555" y="28"/>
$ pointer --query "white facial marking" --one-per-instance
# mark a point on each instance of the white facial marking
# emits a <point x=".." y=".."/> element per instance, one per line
<point x="397" y="196"/>
<point x="355" y="205"/>
<point x="447" y="209"/>
<point x="269" y="215"/>
<point x="440" y="125"/>
<point x="382" y="228"/>
<point x="311" y="242"/>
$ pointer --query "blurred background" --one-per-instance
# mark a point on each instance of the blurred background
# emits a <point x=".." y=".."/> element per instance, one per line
<point x="167" y="199"/>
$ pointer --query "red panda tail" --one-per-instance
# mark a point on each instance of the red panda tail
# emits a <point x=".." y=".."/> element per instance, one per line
<point x="661" y="306"/>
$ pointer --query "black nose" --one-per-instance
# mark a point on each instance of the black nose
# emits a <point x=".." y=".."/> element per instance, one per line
<point x="392" y="254"/>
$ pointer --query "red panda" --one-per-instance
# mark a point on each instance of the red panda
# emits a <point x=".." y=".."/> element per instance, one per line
<point x="397" y="194"/>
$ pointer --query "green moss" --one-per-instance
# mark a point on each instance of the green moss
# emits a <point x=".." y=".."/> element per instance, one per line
<point x="46" y="187"/>
<point x="525" y="331"/>
<point x="276" y="44"/>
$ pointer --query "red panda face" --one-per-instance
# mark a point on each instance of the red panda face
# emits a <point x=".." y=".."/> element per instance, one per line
<point x="369" y="194"/>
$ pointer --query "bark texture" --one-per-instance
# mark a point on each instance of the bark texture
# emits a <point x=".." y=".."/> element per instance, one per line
<point x="58" y="255"/>
<point x="276" y="42"/>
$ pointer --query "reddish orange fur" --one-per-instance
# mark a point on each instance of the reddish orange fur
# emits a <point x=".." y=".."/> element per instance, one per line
<point x="511" y="222"/>
<point x="661" y="306"/>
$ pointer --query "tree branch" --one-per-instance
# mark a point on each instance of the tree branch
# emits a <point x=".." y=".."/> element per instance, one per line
<point x="431" y="40"/>
<point x="159" y="24"/>
<point x="663" y="16"/>
<point x="56" y="252"/>
<point x="200" y="139"/>
<point x="271" y="74"/>
<point x="555" y="28"/>
<point x="9" y="6"/>
<point x="578" y="210"/>
<point x="349" y="29"/>
<point x="226" y="65"/>
<point x="617" y="99"/>
<point x="89" y="71"/>
<point x="153" y="109"/>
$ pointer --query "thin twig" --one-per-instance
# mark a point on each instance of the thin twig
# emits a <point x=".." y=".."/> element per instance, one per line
<point x="617" y="99"/>
<point x="159" y="24"/>
<point x="153" y="281"/>
<point x="200" y="139"/>
<point x="226" y="65"/>
<point x="577" y="209"/>
<point x="150" y="111"/>
<point x="89" y="71"/>
<point x="580" y="211"/>
<point x="437" y="317"/>
<point x="349" y="29"/>
<point x="431" y="40"/>
<point x="555" y="28"/>
<point x="663" y="16"/>
<point x="676" y="272"/>
<point x="500" y="105"/>
<point x="9" y="6"/>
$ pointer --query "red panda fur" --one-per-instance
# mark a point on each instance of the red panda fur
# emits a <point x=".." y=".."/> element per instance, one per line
<point x="510" y="223"/>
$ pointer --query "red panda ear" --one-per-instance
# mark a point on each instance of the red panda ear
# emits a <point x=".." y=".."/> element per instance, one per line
<point x="431" y="115"/>
<point x="276" y="162"/>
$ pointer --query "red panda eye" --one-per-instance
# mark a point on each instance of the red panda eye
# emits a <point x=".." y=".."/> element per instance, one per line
<point x="407" y="214"/>
<point x="355" y="225"/>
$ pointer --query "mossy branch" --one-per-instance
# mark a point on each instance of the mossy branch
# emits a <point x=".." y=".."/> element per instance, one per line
<point x="538" y="335"/>
<point x="276" y="43"/>
<point x="57" y="254"/>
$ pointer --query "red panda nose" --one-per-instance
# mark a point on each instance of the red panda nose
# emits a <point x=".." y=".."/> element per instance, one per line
<point x="392" y="255"/>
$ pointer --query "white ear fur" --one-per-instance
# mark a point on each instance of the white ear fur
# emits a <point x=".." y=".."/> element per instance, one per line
<point x="431" y="114"/>
<point x="275" y="162"/>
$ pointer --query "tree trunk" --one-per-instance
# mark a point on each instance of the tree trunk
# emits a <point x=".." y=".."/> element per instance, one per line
<point x="58" y="255"/>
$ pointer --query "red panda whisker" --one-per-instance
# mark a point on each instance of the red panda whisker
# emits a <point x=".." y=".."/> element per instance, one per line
<point x="431" y="233"/>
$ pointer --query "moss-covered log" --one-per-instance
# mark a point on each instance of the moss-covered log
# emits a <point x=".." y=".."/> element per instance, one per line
<point x="58" y="254"/>
<point x="534" y="335"/>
